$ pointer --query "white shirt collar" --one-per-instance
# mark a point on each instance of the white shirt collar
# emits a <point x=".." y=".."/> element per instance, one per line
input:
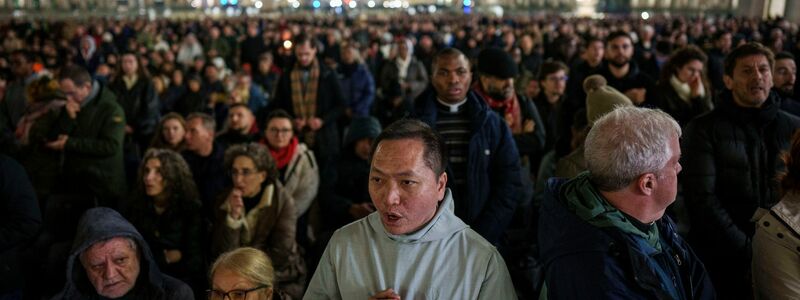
<point x="452" y="107"/>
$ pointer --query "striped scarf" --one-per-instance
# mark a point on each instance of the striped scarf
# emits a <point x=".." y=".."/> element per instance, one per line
<point x="304" y="100"/>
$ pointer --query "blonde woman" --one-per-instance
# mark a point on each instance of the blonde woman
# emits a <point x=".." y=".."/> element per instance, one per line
<point x="243" y="274"/>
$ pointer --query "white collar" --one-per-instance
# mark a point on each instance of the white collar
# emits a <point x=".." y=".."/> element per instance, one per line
<point x="452" y="107"/>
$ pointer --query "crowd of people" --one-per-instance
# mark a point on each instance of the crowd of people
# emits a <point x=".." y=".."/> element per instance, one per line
<point x="221" y="158"/>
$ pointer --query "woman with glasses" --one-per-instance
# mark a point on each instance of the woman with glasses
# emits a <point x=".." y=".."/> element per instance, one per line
<point x="683" y="90"/>
<point x="297" y="168"/>
<point x="243" y="274"/>
<point x="166" y="210"/>
<point x="258" y="212"/>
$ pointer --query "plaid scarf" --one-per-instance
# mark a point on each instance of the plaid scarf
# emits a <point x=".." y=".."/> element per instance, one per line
<point x="304" y="100"/>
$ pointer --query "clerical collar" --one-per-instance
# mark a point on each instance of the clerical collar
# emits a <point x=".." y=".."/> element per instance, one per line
<point x="453" y="108"/>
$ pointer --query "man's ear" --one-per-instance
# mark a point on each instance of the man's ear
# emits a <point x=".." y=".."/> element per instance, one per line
<point x="441" y="185"/>
<point x="728" y="81"/>
<point x="646" y="184"/>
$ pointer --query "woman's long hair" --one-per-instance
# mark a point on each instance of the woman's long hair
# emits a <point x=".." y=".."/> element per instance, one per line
<point x="178" y="181"/>
<point x="158" y="138"/>
<point x="680" y="58"/>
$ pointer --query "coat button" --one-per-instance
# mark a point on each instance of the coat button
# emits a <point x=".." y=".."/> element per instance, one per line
<point x="780" y="235"/>
<point x="766" y="224"/>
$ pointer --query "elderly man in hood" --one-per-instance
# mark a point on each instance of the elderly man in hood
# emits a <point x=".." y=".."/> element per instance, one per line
<point x="111" y="260"/>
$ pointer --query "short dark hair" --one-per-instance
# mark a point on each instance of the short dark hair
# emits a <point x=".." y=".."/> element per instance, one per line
<point x="77" y="74"/>
<point x="550" y="67"/>
<point x="27" y="55"/>
<point x="784" y="55"/>
<point x="303" y="38"/>
<point x="616" y="34"/>
<point x="434" y="153"/>
<point x="446" y="52"/>
<point x="278" y="114"/>
<point x="719" y="34"/>
<point x="745" y="50"/>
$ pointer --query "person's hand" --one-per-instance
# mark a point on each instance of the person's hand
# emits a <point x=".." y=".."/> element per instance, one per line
<point x="694" y="86"/>
<point x="636" y="95"/>
<point x="529" y="126"/>
<point x="387" y="294"/>
<point x="172" y="256"/>
<point x="72" y="108"/>
<point x="315" y="124"/>
<point x="299" y="123"/>
<point x="59" y="143"/>
<point x="236" y="203"/>
<point x="361" y="210"/>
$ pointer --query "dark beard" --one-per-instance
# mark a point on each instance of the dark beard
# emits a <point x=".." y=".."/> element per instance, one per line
<point x="619" y="65"/>
<point x="785" y="92"/>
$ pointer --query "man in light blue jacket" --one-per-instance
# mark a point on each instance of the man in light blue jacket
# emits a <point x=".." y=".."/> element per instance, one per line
<point x="413" y="246"/>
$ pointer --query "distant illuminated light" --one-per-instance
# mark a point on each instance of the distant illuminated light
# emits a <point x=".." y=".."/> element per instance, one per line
<point x="645" y="16"/>
<point x="287" y="44"/>
<point x="353" y="4"/>
<point x="371" y="4"/>
<point x="259" y="4"/>
<point x="315" y="4"/>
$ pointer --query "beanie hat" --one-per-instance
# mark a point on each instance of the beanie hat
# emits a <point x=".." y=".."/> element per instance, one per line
<point x="362" y="127"/>
<point x="601" y="98"/>
<point x="496" y="62"/>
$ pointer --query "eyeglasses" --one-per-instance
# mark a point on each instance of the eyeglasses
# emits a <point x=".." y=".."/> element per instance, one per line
<point x="232" y="295"/>
<point x="243" y="172"/>
<point x="279" y="130"/>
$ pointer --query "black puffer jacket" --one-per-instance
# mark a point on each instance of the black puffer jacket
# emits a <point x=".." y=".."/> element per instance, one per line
<point x="730" y="159"/>
<point x="141" y="107"/>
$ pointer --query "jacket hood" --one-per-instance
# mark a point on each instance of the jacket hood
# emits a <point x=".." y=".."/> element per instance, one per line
<point x="99" y="224"/>
<point x="444" y="224"/>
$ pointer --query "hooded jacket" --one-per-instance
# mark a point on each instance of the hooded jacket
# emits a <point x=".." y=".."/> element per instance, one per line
<point x="580" y="230"/>
<point x="493" y="164"/>
<point x="100" y="224"/>
<point x="443" y="260"/>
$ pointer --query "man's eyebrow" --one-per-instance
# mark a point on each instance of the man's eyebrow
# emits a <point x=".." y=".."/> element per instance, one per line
<point x="404" y="173"/>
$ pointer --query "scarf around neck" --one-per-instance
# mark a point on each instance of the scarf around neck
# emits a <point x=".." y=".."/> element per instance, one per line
<point x="683" y="89"/>
<point x="511" y="111"/>
<point x="284" y="156"/>
<point x="304" y="98"/>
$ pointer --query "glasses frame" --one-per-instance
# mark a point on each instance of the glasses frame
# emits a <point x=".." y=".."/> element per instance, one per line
<point x="228" y="293"/>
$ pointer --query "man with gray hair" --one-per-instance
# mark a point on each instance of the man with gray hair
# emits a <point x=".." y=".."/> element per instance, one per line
<point x="604" y="234"/>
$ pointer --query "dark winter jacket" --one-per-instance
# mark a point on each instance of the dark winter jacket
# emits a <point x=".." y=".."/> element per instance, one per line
<point x="93" y="152"/>
<point x="20" y="220"/>
<point x="209" y="175"/>
<point x="99" y="224"/>
<point x="730" y="159"/>
<point x="493" y="177"/>
<point x="590" y="250"/>
<point x="141" y="107"/>
<point x="666" y="98"/>
<point x="358" y="88"/>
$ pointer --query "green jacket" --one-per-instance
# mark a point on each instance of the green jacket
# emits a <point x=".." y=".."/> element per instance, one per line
<point x="93" y="152"/>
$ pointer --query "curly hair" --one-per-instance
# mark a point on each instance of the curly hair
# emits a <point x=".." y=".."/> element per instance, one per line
<point x="680" y="58"/>
<point x="260" y="155"/>
<point x="178" y="181"/>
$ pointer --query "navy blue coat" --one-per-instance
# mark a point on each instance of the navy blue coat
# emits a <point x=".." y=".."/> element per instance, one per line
<point x="493" y="179"/>
<point x="582" y="261"/>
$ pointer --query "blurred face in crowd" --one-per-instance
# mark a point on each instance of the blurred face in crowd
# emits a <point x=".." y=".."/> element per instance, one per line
<point x="246" y="177"/>
<point x="402" y="49"/>
<point x="279" y="133"/>
<point x="526" y="43"/>
<point x="554" y="84"/>
<point x="404" y="190"/>
<point x="264" y="64"/>
<point x="229" y="281"/>
<point x="348" y="55"/>
<point x="785" y="75"/>
<point x="151" y="176"/>
<point x="197" y="136"/>
<point x="177" y="78"/>
<point x="619" y="51"/>
<point x="305" y="54"/>
<point x="241" y="119"/>
<point x="173" y="132"/>
<point x="212" y="74"/>
<point x="725" y="42"/>
<point x="20" y="66"/>
<point x="112" y="267"/>
<point x="451" y="78"/>
<point x="690" y="72"/>
<point x="497" y="88"/>
<point x="594" y="53"/>
<point x="76" y="93"/>
<point x="194" y="85"/>
<point x="751" y="80"/>
<point x="363" y="147"/>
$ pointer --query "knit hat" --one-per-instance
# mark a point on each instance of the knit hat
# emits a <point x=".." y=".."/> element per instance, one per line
<point x="362" y="127"/>
<point x="497" y="63"/>
<point x="601" y="98"/>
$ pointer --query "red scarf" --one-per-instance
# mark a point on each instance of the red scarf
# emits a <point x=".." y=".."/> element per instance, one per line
<point x="510" y="108"/>
<point x="284" y="156"/>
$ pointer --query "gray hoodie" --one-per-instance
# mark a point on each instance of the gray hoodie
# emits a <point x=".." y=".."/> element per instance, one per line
<point x="443" y="260"/>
